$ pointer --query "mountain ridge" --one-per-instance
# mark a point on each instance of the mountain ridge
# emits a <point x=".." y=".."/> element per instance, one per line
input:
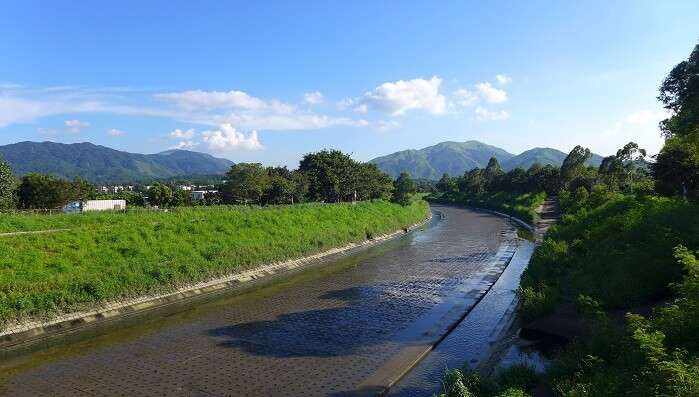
<point x="454" y="158"/>
<point x="101" y="164"/>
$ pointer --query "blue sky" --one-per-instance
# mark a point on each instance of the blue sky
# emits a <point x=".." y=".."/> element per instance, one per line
<point x="268" y="82"/>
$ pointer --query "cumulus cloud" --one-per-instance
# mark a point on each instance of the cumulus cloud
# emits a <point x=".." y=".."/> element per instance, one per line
<point x="396" y="98"/>
<point x="491" y="115"/>
<point x="503" y="79"/>
<point x="76" y="125"/>
<point x="313" y="98"/>
<point x="227" y="138"/>
<point x="491" y="94"/>
<point x="181" y="134"/>
<point x="116" y="132"/>
<point x="386" y="125"/>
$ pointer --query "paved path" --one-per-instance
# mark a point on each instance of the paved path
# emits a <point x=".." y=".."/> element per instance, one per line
<point x="343" y="329"/>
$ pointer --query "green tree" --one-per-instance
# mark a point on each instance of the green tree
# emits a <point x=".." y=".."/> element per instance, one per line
<point x="181" y="198"/>
<point x="574" y="165"/>
<point x="447" y="184"/>
<point x="245" y="182"/>
<point x="403" y="187"/>
<point x="373" y="183"/>
<point x="332" y="175"/>
<point x="159" y="194"/>
<point x="40" y="191"/>
<point x="676" y="169"/>
<point x="281" y="186"/>
<point x="8" y="185"/>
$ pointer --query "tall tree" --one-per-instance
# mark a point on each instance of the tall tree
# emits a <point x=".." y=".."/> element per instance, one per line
<point x="676" y="169"/>
<point x="159" y="194"/>
<point x="7" y="187"/>
<point x="39" y="191"/>
<point x="403" y="187"/>
<point x="332" y="175"/>
<point x="245" y="182"/>
<point x="574" y="164"/>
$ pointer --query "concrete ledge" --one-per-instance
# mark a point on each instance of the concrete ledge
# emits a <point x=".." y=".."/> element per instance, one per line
<point x="30" y="332"/>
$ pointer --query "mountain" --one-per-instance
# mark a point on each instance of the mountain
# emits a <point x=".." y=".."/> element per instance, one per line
<point x="101" y="164"/>
<point x="433" y="161"/>
<point x="543" y="156"/>
<point x="454" y="158"/>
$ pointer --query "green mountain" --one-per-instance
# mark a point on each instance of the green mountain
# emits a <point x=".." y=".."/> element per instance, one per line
<point x="101" y="164"/>
<point x="433" y="161"/>
<point x="543" y="156"/>
<point x="454" y="158"/>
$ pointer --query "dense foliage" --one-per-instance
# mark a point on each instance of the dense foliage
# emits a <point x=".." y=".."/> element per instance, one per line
<point x="107" y="256"/>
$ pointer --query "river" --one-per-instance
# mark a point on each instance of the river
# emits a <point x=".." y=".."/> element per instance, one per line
<point x="351" y="326"/>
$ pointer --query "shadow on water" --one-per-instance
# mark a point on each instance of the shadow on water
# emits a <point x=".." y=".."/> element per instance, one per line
<point x="357" y="321"/>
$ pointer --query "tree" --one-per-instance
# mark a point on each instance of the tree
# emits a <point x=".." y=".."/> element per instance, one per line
<point x="180" y="198"/>
<point x="40" y="191"/>
<point x="332" y="175"/>
<point x="492" y="172"/>
<point x="159" y="194"/>
<point x="574" y="164"/>
<point x="373" y="183"/>
<point x="403" y="187"/>
<point x="245" y="182"/>
<point x="676" y="169"/>
<point x="8" y="184"/>
<point x="447" y="184"/>
<point x="281" y="186"/>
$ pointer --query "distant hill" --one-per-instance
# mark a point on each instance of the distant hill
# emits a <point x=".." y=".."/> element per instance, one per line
<point x="101" y="164"/>
<point x="454" y="158"/>
<point x="433" y="161"/>
<point x="543" y="156"/>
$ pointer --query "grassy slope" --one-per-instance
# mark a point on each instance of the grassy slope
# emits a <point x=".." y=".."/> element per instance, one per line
<point x="522" y="206"/>
<point x="110" y="256"/>
<point x="611" y="253"/>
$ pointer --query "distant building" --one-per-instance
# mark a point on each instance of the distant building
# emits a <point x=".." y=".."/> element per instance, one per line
<point x="94" y="205"/>
<point x="199" y="194"/>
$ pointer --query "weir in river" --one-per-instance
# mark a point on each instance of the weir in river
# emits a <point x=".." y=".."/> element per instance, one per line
<point x="354" y="325"/>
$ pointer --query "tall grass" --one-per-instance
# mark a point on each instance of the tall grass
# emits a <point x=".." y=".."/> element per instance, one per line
<point x="109" y="256"/>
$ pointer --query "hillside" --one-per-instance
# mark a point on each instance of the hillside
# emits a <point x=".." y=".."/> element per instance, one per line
<point x="431" y="162"/>
<point x="454" y="158"/>
<point x="543" y="156"/>
<point x="101" y="164"/>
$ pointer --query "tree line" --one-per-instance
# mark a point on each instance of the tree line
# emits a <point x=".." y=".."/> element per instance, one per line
<point x="328" y="176"/>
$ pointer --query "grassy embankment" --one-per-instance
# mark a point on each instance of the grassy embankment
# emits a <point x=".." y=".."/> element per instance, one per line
<point x="109" y="256"/>
<point x="612" y="254"/>
<point x="520" y="205"/>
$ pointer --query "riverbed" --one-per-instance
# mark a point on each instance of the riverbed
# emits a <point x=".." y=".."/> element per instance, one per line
<point x="353" y="326"/>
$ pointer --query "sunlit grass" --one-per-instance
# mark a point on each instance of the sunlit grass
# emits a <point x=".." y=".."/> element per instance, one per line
<point x="109" y="256"/>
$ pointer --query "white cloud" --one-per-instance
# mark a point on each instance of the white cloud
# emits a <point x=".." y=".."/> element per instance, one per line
<point x="181" y="134"/>
<point x="313" y="98"/>
<point x="646" y="117"/>
<point x="208" y="100"/>
<point x="491" y="115"/>
<point x="227" y="138"/>
<point x="640" y="126"/>
<point x="464" y="98"/>
<point x="76" y="125"/>
<point x="116" y="132"/>
<point x="491" y="94"/>
<point x="396" y="98"/>
<point x="185" y="145"/>
<point x="503" y="79"/>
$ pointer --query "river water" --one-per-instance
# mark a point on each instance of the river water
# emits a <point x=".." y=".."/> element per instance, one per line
<point x="349" y="327"/>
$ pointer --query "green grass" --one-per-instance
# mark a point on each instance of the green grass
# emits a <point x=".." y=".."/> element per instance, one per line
<point x="109" y="256"/>
<point x="522" y="206"/>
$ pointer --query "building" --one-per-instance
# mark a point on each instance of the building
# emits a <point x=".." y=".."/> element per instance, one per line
<point x="94" y="205"/>
<point x="199" y="194"/>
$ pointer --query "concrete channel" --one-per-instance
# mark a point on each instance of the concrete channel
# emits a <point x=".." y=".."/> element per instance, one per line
<point x="353" y="326"/>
